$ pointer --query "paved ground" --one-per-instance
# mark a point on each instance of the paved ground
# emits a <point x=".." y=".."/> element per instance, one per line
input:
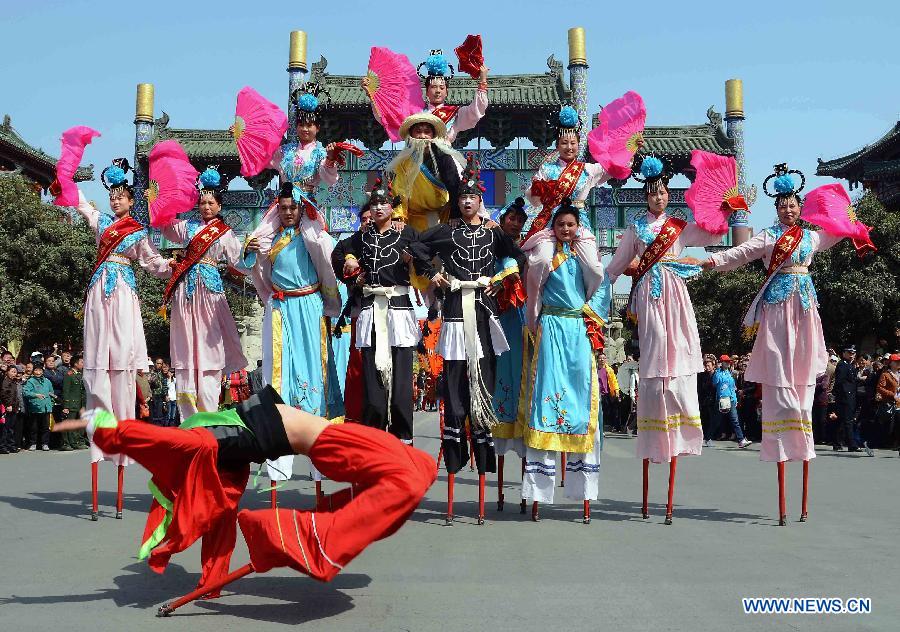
<point x="59" y="570"/>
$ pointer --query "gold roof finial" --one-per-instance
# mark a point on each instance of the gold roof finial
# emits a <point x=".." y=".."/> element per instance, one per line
<point x="577" y="53"/>
<point x="143" y="108"/>
<point x="734" y="98"/>
<point x="297" y="55"/>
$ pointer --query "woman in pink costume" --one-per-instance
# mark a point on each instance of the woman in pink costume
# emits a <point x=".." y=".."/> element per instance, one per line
<point x="668" y="412"/>
<point x="114" y="343"/>
<point x="789" y="352"/>
<point x="204" y="341"/>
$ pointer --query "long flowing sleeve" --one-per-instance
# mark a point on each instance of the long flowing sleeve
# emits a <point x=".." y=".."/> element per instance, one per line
<point x="468" y="116"/>
<point x="823" y="241"/>
<point x="87" y="211"/>
<point x="234" y="251"/>
<point x="625" y="253"/>
<point x="149" y="259"/>
<point x="733" y="258"/>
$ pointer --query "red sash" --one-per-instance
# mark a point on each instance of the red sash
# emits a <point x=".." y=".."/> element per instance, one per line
<point x="784" y="248"/>
<point x="669" y="232"/>
<point x="198" y="246"/>
<point x="445" y="112"/>
<point x="552" y="193"/>
<point x="114" y="235"/>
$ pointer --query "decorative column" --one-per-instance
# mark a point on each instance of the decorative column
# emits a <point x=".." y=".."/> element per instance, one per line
<point x="143" y="132"/>
<point x="734" y="129"/>
<point x="578" y="83"/>
<point x="296" y="77"/>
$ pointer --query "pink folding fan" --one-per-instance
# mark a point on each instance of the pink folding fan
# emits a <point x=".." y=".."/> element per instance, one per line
<point x="74" y="140"/>
<point x="614" y="141"/>
<point x="713" y="195"/>
<point x="259" y="126"/>
<point x="173" y="188"/>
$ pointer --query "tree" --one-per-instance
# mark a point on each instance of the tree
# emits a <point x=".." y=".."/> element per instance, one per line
<point x="45" y="262"/>
<point x="720" y="302"/>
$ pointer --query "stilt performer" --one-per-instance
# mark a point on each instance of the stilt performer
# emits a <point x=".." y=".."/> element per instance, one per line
<point x="199" y="472"/>
<point x="114" y="342"/>
<point x="293" y="277"/>
<point x="204" y="341"/>
<point x="471" y="336"/>
<point x="789" y="351"/>
<point x="566" y="312"/>
<point x="387" y="331"/>
<point x="437" y="75"/>
<point x="668" y="411"/>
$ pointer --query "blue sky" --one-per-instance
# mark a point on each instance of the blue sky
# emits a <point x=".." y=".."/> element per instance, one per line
<point x="819" y="80"/>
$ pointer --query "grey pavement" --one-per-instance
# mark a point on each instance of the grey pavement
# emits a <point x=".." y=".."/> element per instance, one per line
<point x="59" y="570"/>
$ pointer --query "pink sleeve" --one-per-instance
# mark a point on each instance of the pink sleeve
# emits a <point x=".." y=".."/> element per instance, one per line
<point x="176" y="232"/>
<point x="468" y="116"/>
<point x="733" y="258"/>
<point x="329" y="175"/>
<point x="149" y="259"/>
<point x="824" y="241"/>
<point x="693" y="236"/>
<point x="87" y="210"/>
<point x="623" y="256"/>
<point x="233" y="249"/>
<point x="597" y="175"/>
<point x="275" y="161"/>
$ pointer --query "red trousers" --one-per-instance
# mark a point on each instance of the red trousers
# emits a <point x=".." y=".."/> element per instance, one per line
<point x="388" y="481"/>
<point x="353" y="384"/>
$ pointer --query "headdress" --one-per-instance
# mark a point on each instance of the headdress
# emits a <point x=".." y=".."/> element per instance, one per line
<point x="568" y="123"/>
<point x="471" y="183"/>
<point x="436" y="66"/>
<point x="784" y="184"/>
<point x="308" y="98"/>
<point x="518" y="206"/>
<point x="210" y="181"/>
<point x="114" y="177"/>
<point x="652" y="172"/>
<point x="380" y="193"/>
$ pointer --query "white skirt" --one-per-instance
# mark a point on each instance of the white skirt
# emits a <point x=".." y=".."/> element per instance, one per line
<point x="403" y="328"/>
<point x="452" y="342"/>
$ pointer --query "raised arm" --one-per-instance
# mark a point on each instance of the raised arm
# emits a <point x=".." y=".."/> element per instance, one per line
<point x="733" y="258"/>
<point x="823" y="241"/>
<point x="597" y="175"/>
<point x="149" y="259"/>
<point x="176" y="232"/>
<point x="87" y="211"/>
<point x="328" y="171"/>
<point x="468" y="116"/>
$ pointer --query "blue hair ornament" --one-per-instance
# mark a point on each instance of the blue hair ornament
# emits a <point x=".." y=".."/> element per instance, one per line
<point x="437" y="65"/>
<point x="568" y="116"/>
<point x="115" y="175"/>
<point x="308" y="102"/>
<point x="651" y="167"/>
<point x="784" y="184"/>
<point x="210" y="178"/>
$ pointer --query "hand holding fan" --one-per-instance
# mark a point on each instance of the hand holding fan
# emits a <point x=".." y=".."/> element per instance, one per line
<point x="335" y="150"/>
<point x="173" y="187"/>
<point x="74" y="140"/>
<point x="395" y="90"/>
<point x="615" y="140"/>
<point x="713" y="195"/>
<point x="829" y="207"/>
<point x="258" y="128"/>
<point x="470" y="56"/>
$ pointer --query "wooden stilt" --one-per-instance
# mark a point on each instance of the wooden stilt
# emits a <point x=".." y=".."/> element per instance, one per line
<point x="500" y="463"/>
<point x="273" y="494"/>
<point x="562" y="463"/>
<point x="120" y="488"/>
<point x="167" y="608"/>
<point x="481" y="499"/>
<point x="782" y="513"/>
<point x="803" y="513"/>
<point x="672" y="464"/>
<point x="451" y="480"/>
<point x="587" y="512"/>
<point x="644" y="512"/>
<point x="94" y="475"/>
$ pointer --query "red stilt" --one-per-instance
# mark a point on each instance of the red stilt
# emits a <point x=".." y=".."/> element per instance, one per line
<point x="451" y="479"/>
<point x="782" y="513"/>
<point x="523" y="504"/>
<point x="672" y="465"/>
<point x="587" y="512"/>
<point x="319" y="494"/>
<point x="167" y="608"/>
<point x="500" y="462"/>
<point x="273" y="493"/>
<point x="94" y="475"/>
<point x="644" y="513"/>
<point x="119" y="492"/>
<point x="534" y="512"/>
<point x="562" y="462"/>
<point x="481" y="499"/>
<point x="803" y="513"/>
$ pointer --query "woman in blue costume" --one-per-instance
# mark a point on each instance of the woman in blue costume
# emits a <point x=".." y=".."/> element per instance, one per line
<point x="568" y="297"/>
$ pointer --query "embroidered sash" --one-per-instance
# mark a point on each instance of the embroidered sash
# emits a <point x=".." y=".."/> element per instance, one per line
<point x="657" y="249"/>
<point x="196" y="249"/>
<point x="114" y="235"/>
<point x="781" y="253"/>
<point x="552" y="193"/>
<point x="445" y="112"/>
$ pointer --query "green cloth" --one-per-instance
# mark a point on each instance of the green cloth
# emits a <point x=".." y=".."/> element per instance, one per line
<point x="73" y="393"/>
<point x="33" y="387"/>
<point x="222" y="418"/>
